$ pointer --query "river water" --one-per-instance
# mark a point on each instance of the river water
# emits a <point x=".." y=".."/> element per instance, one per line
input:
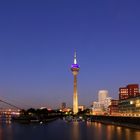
<point x="61" y="130"/>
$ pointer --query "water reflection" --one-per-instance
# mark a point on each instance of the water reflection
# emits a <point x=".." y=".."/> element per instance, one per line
<point x="1" y="132"/>
<point x="127" y="133"/>
<point x="6" y="128"/>
<point x="66" y="131"/>
<point x="98" y="130"/>
<point x="75" y="131"/>
<point x="111" y="132"/>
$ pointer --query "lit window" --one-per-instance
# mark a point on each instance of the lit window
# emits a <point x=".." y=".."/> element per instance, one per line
<point x="131" y="102"/>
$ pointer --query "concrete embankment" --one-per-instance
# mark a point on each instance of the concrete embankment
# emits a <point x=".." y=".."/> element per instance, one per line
<point x="131" y="122"/>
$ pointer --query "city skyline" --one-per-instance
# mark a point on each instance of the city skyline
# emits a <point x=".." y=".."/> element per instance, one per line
<point x="37" y="41"/>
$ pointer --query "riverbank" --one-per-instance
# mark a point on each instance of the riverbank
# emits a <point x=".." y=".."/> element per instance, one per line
<point x="129" y="122"/>
<point x="120" y="124"/>
<point x="28" y="120"/>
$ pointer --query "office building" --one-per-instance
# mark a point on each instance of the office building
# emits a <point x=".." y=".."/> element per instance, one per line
<point x="129" y="91"/>
<point x="102" y="95"/>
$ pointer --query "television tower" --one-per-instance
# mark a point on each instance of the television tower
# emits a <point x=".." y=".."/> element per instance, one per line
<point x="75" y="69"/>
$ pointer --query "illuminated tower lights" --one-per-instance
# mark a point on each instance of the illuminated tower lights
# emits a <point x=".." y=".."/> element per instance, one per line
<point x="75" y="69"/>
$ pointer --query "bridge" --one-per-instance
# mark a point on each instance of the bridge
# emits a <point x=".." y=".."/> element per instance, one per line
<point x="12" y="110"/>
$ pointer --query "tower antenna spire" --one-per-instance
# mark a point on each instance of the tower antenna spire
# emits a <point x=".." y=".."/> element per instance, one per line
<point x="75" y="61"/>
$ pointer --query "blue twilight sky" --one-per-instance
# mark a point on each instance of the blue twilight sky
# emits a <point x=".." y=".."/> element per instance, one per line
<point x="37" y="43"/>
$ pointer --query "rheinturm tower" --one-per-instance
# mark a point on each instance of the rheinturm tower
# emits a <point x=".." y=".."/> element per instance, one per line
<point x="75" y="69"/>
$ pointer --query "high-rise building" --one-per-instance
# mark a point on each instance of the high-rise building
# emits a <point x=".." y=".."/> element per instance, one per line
<point x="123" y="93"/>
<point x="97" y="109"/>
<point x="75" y="69"/>
<point x="129" y="100"/>
<point x="130" y="106"/>
<point x="113" y="108"/>
<point x="107" y="103"/>
<point x="96" y="105"/>
<point x="133" y="90"/>
<point x="129" y="91"/>
<point x="102" y="95"/>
